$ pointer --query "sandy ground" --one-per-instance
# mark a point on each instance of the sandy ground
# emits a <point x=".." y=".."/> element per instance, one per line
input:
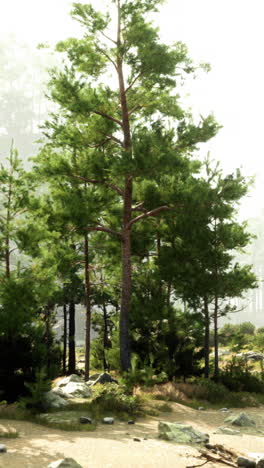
<point x="114" y="447"/>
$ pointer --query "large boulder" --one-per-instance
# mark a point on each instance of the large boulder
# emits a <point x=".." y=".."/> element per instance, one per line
<point x="241" y="419"/>
<point x="73" y="390"/>
<point x="65" y="463"/>
<point x="181" y="433"/>
<point x="70" y="378"/>
<point x="101" y="379"/>
<point x="53" y="400"/>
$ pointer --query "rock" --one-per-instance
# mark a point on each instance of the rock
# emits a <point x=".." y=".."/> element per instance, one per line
<point x="251" y="355"/>
<point x="260" y="462"/>
<point x="85" y="420"/>
<point x="53" y="400"/>
<point x="65" y="463"/>
<point x="130" y="422"/>
<point x="224" y="410"/>
<point x="201" y="408"/>
<point x="181" y="433"/>
<point x="246" y="462"/>
<point x="73" y="390"/>
<point x="70" y="378"/>
<point x="102" y="379"/>
<point x="241" y="419"/>
<point x="226" y="430"/>
<point x="3" y="448"/>
<point x="108" y="421"/>
<point x="136" y="439"/>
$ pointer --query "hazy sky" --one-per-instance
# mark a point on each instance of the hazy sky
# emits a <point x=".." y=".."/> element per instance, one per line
<point x="228" y="34"/>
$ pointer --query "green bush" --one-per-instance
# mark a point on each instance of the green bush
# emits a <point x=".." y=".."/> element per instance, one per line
<point x="237" y="377"/>
<point x="212" y="391"/>
<point x="115" y="398"/>
<point x="35" y="401"/>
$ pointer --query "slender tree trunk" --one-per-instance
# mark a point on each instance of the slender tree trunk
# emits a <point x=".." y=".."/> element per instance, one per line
<point x="105" y="338"/>
<point x="125" y="356"/>
<point x="206" y="338"/>
<point x="64" y="355"/>
<point x="168" y="294"/>
<point x="72" y="357"/>
<point x="48" y="337"/>
<point x="88" y="308"/>
<point x="216" y="360"/>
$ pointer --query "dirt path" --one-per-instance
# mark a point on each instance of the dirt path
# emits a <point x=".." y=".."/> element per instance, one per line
<point x="114" y="447"/>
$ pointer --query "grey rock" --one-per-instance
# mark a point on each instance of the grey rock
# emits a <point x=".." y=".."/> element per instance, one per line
<point x="73" y="390"/>
<point x="226" y="430"/>
<point x="3" y="448"/>
<point x="108" y="421"/>
<point x="53" y="400"/>
<point x="241" y="419"/>
<point x="246" y="462"/>
<point x="224" y="410"/>
<point x="131" y="422"/>
<point x="70" y="378"/>
<point x="103" y="379"/>
<point x="260" y="462"/>
<point x="136" y="439"/>
<point x="65" y="463"/>
<point x="201" y="408"/>
<point x="85" y="420"/>
<point x="181" y="433"/>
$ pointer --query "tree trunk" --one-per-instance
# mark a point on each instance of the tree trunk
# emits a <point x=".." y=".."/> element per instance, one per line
<point x="105" y="338"/>
<point x="206" y="338"/>
<point x="64" y="355"/>
<point x="48" y="336"/>
<point x="72" y="358"/>
<point x="88" y="308"/>
<point x="216" y="370"/>
<point x="125" y="356"/>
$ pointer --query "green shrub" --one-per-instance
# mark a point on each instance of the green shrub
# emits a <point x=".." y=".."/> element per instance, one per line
<point x="237" y="377"/>
<point x="35" y="401"/>
<point x="210" y="391"/>
<point x="115" y="398"/>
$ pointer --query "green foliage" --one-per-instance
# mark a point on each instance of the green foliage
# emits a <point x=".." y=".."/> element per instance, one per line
<point x="237" y="377"/>
<point x="115" y="398"/>
<point x="35" y="401"/>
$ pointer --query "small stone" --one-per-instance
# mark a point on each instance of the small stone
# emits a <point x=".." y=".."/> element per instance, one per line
<point x="260" y="462"/>
<point x="136" y="439"/>
<point x="246" y="463"/>
<point x="201" y="408"/>
<point x="226" y="430"/>
<point x="224" y="410"/>
<point x="108" y="421"/>
<point x="85" y="420"/>
<point x="130" y="422"/>
<point x="65" y="463"/>
<point x="3" y="448"/>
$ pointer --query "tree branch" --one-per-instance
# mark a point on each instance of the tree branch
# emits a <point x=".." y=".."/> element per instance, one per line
<point x="107" y="56"/>
<point x="134" y="109"/>
<point x="154" y="212"/>
<point x="133" y="82"/>
<point x="99" y="182"/>
<point x="112" y="137"/>
<point x="104" y="229"/>
<point x="109" y="38"/>
<point x="109" y="117"/>
<point x="139" y="207"/>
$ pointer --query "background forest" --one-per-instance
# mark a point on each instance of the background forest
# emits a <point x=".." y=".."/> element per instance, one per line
<point x="105" y="202"/>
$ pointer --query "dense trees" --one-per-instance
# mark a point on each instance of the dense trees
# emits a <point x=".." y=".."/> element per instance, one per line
<point x="118" y="214"/>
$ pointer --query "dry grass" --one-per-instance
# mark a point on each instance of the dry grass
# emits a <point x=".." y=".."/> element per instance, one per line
<point x="169" y="391"/>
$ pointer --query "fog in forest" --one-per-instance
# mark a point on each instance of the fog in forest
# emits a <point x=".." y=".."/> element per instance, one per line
<point x="227" y="35"/>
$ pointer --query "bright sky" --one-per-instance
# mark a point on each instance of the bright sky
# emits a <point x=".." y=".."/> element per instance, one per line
<point x="228" y="34"/>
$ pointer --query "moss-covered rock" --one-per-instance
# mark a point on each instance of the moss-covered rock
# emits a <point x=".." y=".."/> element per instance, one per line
<point x="181" y="433"/>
